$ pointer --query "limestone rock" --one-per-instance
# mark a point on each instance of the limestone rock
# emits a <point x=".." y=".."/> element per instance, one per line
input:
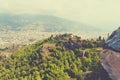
<point x="113" y="42"/>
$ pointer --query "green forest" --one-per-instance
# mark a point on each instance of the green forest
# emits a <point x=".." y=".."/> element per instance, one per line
<point x="59" y="57"/>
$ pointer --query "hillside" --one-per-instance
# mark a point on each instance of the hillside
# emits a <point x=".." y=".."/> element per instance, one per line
<point x="59" y="57"/>
<point x="45" y="23"/>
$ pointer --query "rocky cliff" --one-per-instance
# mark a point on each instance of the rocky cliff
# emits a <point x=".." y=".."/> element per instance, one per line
<point x="110" y="56"/>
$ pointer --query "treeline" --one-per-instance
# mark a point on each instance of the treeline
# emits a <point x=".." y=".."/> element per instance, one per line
<point x="62" y="62"/>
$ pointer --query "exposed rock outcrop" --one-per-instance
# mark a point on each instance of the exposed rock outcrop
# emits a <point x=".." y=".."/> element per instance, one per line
<point x="113" y="42"/>
<point x="110" y="57"/>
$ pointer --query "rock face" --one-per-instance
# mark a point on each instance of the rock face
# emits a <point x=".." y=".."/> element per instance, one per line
<point x="113" y="42"/>
<point x="110" y="61"/>
<point x="110" y="57"/>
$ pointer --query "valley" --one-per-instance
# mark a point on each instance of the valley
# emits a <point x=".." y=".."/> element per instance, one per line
<point x="20" y="30"/>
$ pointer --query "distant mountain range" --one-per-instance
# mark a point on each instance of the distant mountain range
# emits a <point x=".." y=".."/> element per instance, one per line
<point x="45" y="23"/>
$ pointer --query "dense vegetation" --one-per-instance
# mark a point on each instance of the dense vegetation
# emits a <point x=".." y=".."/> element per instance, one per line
<point x="60" y="57"/>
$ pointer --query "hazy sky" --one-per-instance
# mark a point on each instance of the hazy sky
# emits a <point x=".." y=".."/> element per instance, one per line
<point x="99" y="13"/>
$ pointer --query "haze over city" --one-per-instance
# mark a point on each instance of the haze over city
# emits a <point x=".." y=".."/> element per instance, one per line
<point x="98" y="13"/>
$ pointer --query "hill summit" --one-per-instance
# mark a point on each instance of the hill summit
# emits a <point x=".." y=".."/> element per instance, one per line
<point x="59" y="57"/>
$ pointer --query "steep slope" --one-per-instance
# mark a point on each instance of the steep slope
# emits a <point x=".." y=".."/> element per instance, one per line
<point x="60" y="57"/>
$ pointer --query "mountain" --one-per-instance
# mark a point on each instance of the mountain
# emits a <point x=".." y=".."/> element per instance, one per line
<point x="59" y="57"/>
<point x="45" y="23"/>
